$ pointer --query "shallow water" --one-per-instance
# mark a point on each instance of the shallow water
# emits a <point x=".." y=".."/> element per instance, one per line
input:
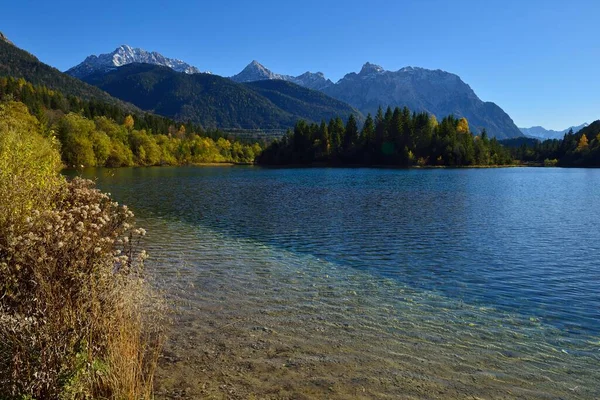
<point x="346" y="283"/>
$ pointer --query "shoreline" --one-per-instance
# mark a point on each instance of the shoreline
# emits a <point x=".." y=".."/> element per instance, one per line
<point x="326" y="165"/>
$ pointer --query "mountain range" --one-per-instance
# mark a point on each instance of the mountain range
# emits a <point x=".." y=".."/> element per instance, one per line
<point x="539" y="132"/>
<point x="434" y="91"/>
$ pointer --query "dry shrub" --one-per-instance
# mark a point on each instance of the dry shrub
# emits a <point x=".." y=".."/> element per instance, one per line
<point x="75" y="315"/>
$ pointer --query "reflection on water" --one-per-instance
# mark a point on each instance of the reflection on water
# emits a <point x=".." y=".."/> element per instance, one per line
<point x="374" y="283"/>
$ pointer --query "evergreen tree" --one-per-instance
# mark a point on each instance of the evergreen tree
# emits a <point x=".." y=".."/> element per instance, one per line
<point x="336" y="133"/>
<point x="323" y="136"/>
<point x="351" y="133"/>
<point x="368" y="132"/>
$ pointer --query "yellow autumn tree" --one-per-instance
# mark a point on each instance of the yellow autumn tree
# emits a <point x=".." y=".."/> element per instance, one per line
<point x="433" y="122"/>
<point x="128" y="123"/>
<point x="583" y="143"/>
<point x="463" y="126"/>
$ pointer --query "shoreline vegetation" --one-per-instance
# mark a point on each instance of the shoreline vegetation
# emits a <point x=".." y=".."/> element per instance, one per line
<point x="395" y="138"/>
<point x="96" y="134"/>
<point x="403" y="139"/>
<point x="78" y="320"/>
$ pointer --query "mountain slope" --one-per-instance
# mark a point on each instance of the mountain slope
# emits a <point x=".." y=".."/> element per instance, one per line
<point x="437" y="92"/>
<point x="124" y="55"/>
<point x="590" y="131"/>
<point x="21" y="64"/>
<point x="539" y="132"/>
<point x="214" y="101"/>
<point x="298" y="100"/>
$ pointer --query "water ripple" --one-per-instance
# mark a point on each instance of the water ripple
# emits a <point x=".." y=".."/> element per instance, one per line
<point x="486" y="274"/>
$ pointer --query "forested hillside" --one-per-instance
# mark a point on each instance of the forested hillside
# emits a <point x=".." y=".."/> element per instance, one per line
<point x="214" y="101"/>
<point x="18" y="63"/>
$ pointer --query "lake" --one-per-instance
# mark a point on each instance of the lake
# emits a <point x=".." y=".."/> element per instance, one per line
<point x="373" y="283"/>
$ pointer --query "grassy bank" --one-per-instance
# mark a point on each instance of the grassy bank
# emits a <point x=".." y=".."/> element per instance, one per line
<point x="76" y="320"/>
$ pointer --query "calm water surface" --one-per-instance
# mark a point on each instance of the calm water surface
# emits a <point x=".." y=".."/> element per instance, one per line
<point x="490" y="278"/>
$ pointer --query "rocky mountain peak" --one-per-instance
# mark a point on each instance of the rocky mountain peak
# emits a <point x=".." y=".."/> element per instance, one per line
<point x="255" y="71"/>
<point x="255" y="66"/>
<point x="369" y="68"/>
<point x="312" y="80"/>
<point x="126" y="54"/>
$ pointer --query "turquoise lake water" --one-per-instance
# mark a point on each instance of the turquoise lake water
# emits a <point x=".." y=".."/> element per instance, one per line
<point x="489" y="274"/>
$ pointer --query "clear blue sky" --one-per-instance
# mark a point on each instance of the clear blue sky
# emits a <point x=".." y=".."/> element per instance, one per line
<point x="538" y="60"/>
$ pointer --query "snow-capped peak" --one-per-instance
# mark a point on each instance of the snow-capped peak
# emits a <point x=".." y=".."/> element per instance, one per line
<point x="126" y="54"/>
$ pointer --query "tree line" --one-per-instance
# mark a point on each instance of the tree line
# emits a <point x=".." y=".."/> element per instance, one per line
<point x="95" y="133"/>
<point x="581" y="149"/>
<point x="396" y="137"/>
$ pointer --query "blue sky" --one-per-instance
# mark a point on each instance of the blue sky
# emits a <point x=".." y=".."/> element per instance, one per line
<point x="538" y="60"/>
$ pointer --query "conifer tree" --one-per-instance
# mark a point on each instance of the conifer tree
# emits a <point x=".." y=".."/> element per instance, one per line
<point x="351" y="134"/>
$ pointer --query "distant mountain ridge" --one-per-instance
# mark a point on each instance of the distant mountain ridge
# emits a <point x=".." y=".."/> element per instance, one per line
<point x="539" y="132"/>
<point x="124" y="55"/>
<point x="214" y="101"/>
<point x="255" y="71"/>
<point x="434" y="91"/>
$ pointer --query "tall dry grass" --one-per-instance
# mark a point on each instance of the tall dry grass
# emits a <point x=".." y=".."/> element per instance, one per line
<point x="77" y="318"/>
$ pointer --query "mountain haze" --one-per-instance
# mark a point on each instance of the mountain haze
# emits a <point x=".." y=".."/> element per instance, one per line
<point x="539" y="132"/>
